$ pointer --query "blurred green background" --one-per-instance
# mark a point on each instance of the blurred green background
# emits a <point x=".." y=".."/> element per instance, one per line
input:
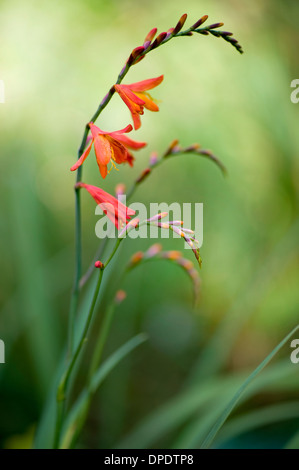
<point x="58" y="59"/>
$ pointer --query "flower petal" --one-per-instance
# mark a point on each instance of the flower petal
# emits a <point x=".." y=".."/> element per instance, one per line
<point x="136" y="121"/>
<point x="131" y="144"/>
<point x="95" y="130"/>
<point x="125" y="130"/>
<point x="82" y="158"/>
<point x="125" y="92"/>
<point x="146" y="84"/>
<point x="103" y="170"/>
<point x="102" y="150"/>
<point x="148" y="102"/>
<point x="120" y="153"/>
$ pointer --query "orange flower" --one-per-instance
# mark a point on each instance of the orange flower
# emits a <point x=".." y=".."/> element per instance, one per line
<point x="117" y="212"/>
<point x="109" y="146"/>
<point x="135" y="96"/>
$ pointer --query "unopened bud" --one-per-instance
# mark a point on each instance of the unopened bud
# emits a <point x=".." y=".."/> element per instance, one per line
<point x="150" y="36"/>
<point x="120" y="189"/>
<point x="153" y="159"/>
<point x="163" y="225"/>
<point x="134" y="54"/>
<point x="136" y="258"/>
<point x="176" y="222"/>
<point x="153" y="250"/>
<point x="173" y="255"/>
<point x="170" y="32"/>
<point x="120" y="296"/>
<point x="99" y="264"/>
<point x="186" y="264"/>
<point x="129" y="227"/>
<point x="215" y="25"/>
<point x="192" y="148"/>
<point x="158" y="216"/>
<point x="173" y="147"/>
<point x="180" y="24"/>
<point x="200" y="21"/>
<point x="158" y="40"/>
<point x="143" y="175"/>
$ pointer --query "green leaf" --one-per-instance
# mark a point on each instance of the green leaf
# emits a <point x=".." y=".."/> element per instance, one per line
<point x="258" y="418"/>
<point x="223" y="417"/>
<point x="200" y="400"/>
<point x="80" y="405"/>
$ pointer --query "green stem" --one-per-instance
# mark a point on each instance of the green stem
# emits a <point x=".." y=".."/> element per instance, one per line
<point x="96" y="359"/>
<point x="107" y="320"/>
<point x="62" y="388"/>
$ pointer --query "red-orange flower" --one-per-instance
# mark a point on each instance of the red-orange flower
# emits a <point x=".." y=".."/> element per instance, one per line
<point x="109" y="146"/>
<point x="135" y="96"/>
<point x="117" y="212"/>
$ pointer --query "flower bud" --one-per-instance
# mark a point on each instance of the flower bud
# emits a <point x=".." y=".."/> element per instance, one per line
<point x="215" y="25"/>
<point x="120" y="296"/>
<point x="180" y="24"/>
<point x="150" y="36"/>
<point x="159" y="216"/>
<point x="200" y="22"/>
<point x="99" y="264"/>
<point x="136" y="258"/>
<point x="120" y="189"/>
<point x="143" y="175"/>
<point x="158" y="40"/>
<point x="134" y="54"/>
<point x="153" y="159"/>
<point x="153" y="250"/>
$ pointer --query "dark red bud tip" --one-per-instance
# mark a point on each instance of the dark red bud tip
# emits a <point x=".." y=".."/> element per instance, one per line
<point x="99" y="264"/>
<point x="200" y="21"/>
<point x="135" y="53"/>
<point x="158" y="40"/>
<point x="180" y="24"/>
<point x="226" y="33"/>
<point x="215" y="25"/>
<point x="143" y="175"/>
<point x="150" y="36"/>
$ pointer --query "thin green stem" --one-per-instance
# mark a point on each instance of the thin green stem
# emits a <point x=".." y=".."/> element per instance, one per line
<point x="62" y="388"/>
<point x="96" y="359"/>
<point x="105" y="327"/>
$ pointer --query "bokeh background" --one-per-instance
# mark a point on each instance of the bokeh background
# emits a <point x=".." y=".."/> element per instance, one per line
<point x="58" y="59"/>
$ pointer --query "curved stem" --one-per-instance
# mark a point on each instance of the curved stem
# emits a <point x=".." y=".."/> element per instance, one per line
<point x="62" y="388"/>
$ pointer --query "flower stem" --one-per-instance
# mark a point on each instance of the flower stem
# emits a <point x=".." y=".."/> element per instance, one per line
<point x="96" y="359"/>
<point x="62" y="388"/>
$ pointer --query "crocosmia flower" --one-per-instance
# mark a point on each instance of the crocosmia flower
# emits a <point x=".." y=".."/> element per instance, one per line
<point x="117" y="212"/>
<point x="109" y="146"/>
<point x="135" y="96"/>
